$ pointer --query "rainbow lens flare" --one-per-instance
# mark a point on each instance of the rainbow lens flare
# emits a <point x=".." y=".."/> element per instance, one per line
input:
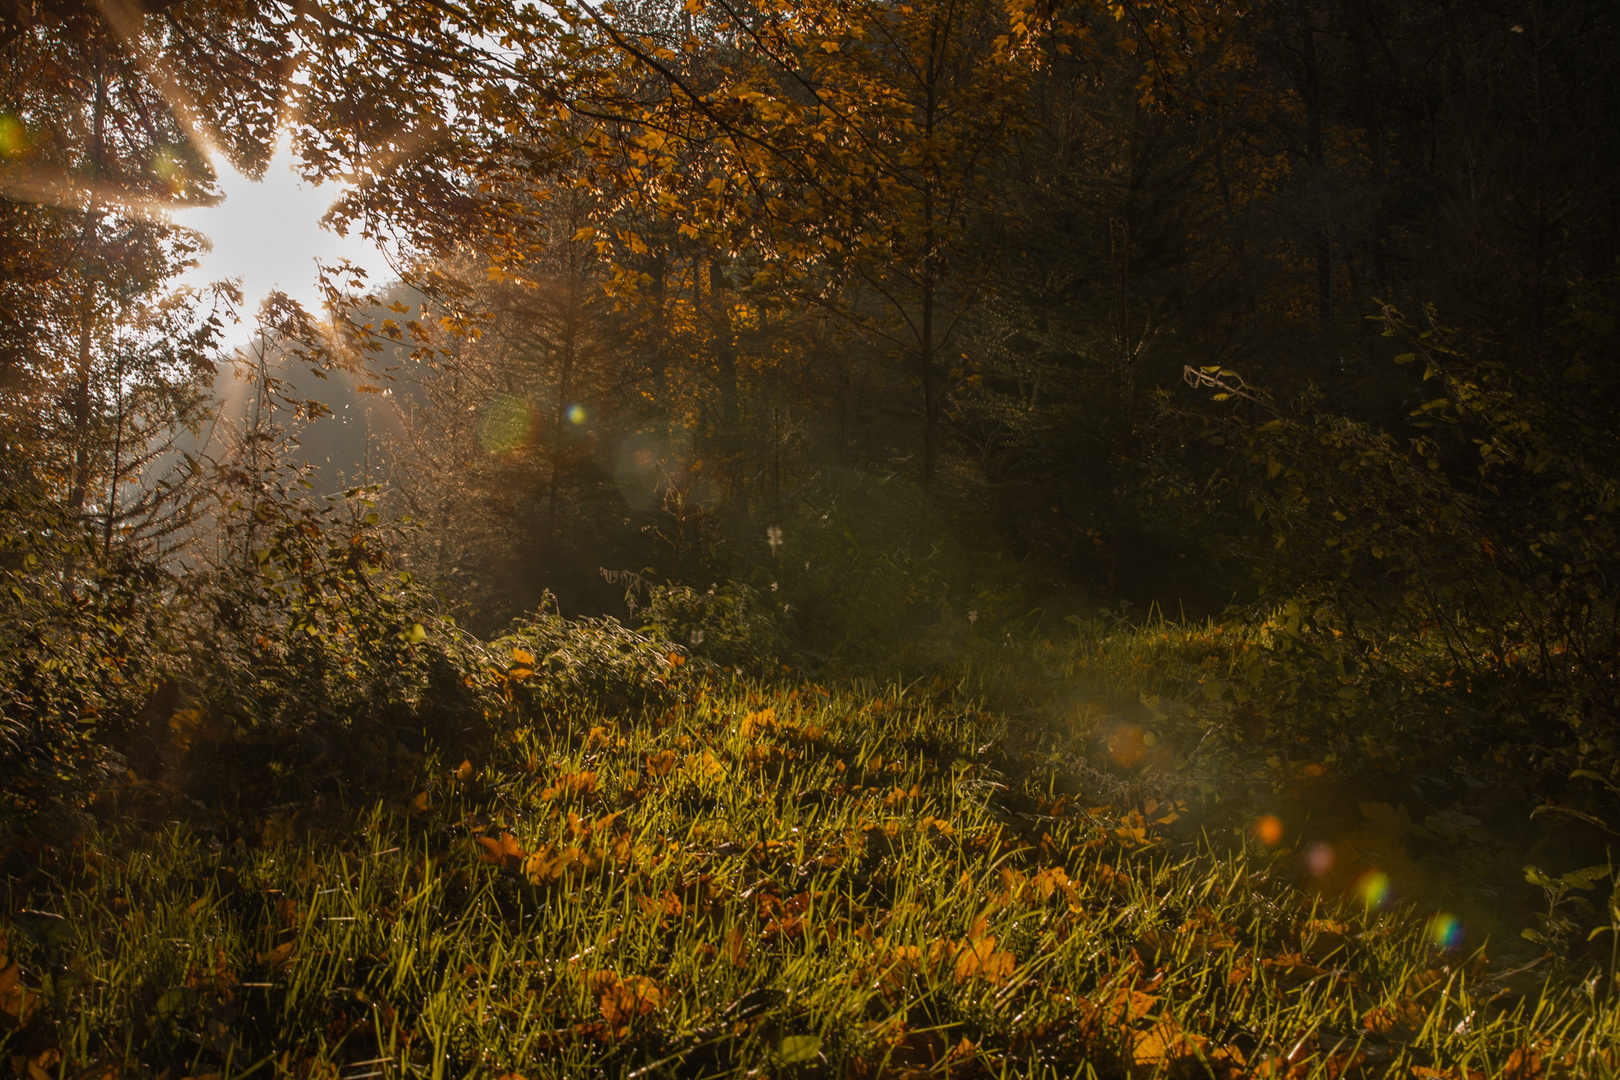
<point x="1374" y="889"/>
<point x="1445" y="931"/>
<point x="576" y="414"/>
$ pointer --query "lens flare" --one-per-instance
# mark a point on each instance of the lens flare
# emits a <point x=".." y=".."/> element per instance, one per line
<point x="1318" y="858"/>
<point x="1445" y="931"/>
<point x="1270" y="830"/>
<point x="1374" y="889"/>
<point x="504" y="425"/>
<point x="1127" y="745"/>
<point x="576" y="413"/>
<point x="13" y="136"/>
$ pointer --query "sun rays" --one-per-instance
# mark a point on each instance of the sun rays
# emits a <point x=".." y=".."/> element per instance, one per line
<point x="264" y="233"/>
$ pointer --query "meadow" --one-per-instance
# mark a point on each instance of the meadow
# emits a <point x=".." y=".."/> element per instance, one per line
<point x="737" y="877"/>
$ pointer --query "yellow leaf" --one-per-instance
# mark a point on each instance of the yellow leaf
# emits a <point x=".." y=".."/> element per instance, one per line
<point x="763" y="720"/>
<point x="703" y="765"/>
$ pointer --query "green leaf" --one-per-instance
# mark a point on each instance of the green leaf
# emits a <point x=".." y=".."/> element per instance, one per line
<point x="1579" y="815"/>
<point x="415" y="634"/>
<point x="50" y="930"/>
<point x="173" y="1002"/>
<point x="798" y="1049"/>
<point x="1534" y="876"/>
<point x="1585" y="878"/>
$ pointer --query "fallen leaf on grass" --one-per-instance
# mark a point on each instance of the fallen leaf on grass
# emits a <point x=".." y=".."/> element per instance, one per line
<point x="622" y="999"/>
<point x="754" y="722"/>
<point x="662" y="908"/>
<point x="703" y="765"/>
<point x="979" y="959"/>
<point x="42" y="1066"/>
<point x="1163" y="1044"/>
<point x="1166" y="1050"/>
<point x="16" y="1003"/>
<point x="505" y="852"/>
<point x="277" y="958"/>
<point x="786" y="917"/>
<point x="736" y="948"/>
<point x="570" y="785"/>
<point x="1523" y="1064"/>
<point x="1291" y="969"/>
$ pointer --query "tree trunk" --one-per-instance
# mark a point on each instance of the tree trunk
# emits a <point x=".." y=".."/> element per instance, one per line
<point x="1316" y="157"/>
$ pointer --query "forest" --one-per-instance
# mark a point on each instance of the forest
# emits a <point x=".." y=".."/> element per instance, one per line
<point x="855" y="538"/>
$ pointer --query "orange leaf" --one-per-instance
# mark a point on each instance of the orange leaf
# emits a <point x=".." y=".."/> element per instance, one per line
<point x="15" y="1002"/>
<point x="1523" y="1064"/>
<point x="622" y="1000"/>
<point x="978" y="958"/>
<point x="503" y="852"/>
<point x="277" y="958"/>
<point x="571" y="784"/>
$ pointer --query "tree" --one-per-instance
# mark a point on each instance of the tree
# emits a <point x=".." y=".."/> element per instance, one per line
<point x="109" y="115"/>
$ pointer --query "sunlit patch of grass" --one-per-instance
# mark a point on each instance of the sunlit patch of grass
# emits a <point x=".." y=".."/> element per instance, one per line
<point x="757" y="882"/>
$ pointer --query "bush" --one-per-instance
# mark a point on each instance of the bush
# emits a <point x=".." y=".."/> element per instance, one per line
<point x="730" y="624"/>
<point x="1474" y="562"/>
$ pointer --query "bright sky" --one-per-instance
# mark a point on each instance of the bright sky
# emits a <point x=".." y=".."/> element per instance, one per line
<point x="269" y="235"/>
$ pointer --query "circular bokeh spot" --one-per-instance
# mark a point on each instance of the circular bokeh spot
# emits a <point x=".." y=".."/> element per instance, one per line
<point x="1374" y="889"/>
<point x="1445" y="931"/>
<point x="504" y="425"/>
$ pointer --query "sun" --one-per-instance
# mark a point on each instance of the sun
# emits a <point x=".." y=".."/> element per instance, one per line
<point x="267" y="234"/>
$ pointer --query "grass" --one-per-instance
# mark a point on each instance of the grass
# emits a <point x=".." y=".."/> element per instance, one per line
<point x="855" y="882"/>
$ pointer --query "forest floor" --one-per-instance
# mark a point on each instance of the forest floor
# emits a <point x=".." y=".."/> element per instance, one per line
<point x="795" y="880"/>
